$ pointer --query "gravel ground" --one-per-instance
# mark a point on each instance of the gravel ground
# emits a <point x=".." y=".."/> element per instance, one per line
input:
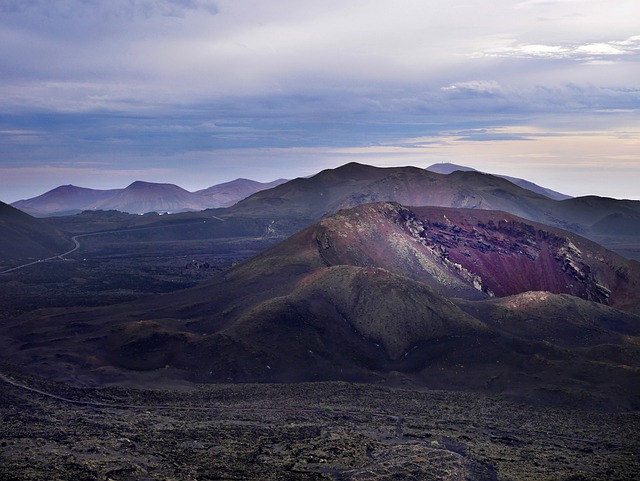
<point x="339" y="431"/>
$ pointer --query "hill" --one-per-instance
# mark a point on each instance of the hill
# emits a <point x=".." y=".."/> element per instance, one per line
<point x="228" y="193"/>
<point x="448" y="168"/>
<point x="141" y="197"/>
<point x="373" y="293"/>
<point x="64" y="200"/>
<point x="289" y="207"/>
<point x="354" y="184"/>
<point x="307" y="200"/>
<point x="23" y="237"/>
<point x="293" y="205"/>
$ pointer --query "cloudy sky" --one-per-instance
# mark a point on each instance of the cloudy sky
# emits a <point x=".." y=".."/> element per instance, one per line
<point x="198" y="92"/>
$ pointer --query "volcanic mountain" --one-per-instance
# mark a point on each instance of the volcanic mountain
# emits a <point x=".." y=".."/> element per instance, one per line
<point x="448" y="168"/>
<point x="64" y="200"/>
<point x="141" y="197"/>
<point x="354" y="184"/>
<point x="309" y="199"/>
<point x="23" y="237"/>
<point x="437" y="297"/>
<point x="228" y="193"/>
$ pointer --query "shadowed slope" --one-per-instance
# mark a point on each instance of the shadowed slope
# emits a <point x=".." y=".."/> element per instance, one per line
<point x="592" y="346"/>
<point x="24" y="237"/>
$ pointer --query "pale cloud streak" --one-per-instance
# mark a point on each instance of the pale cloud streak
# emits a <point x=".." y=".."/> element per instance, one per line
<point x="610" y="51"/>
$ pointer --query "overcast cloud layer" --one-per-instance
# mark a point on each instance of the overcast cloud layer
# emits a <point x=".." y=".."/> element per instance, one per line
<point x="198" y="92"/>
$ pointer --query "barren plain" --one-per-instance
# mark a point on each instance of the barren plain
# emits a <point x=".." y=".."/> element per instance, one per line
<point x="308" y="431"/>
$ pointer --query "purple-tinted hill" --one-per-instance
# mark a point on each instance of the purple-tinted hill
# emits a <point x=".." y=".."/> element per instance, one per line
<point x="140" y="198"/>
<point x="228" y="193"/>
<point x="64" y="200"/>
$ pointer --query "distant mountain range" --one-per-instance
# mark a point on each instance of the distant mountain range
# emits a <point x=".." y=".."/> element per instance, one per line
<point x="140" y="198"/>
<point x="293" y="205"/>
<point x="228" y="193"/>
<point x="143" y="197"/>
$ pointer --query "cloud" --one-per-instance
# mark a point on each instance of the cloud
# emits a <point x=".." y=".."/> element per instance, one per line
<point x="627" y="49"/>
<point x="566" y="99"/>
<point x="91" y="55"/>
<point x="480" y="86"/>
<point x="111" y="9"/>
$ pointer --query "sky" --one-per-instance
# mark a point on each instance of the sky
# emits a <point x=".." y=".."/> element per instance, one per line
<point x="198" y="92"/>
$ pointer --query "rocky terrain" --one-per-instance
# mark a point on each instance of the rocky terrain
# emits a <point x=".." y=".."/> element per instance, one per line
<point x="330" y="431"/>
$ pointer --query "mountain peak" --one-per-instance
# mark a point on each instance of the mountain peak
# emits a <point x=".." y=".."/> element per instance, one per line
<point x="355" y="168"/>
<point x="447" y="168"/>
<point x="141" y="184"/>
<point x="67" y="188"/>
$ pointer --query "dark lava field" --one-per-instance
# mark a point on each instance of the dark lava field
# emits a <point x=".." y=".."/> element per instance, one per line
<point x="308" y="431"/>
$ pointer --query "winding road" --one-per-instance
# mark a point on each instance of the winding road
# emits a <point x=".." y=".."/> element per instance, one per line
<point x="77" y="243"/>
<point x="59" y="256"/>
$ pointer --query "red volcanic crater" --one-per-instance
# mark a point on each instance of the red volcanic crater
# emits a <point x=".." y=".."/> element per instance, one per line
<point x="470" y="253"/>
<point x="513" y="255"/>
